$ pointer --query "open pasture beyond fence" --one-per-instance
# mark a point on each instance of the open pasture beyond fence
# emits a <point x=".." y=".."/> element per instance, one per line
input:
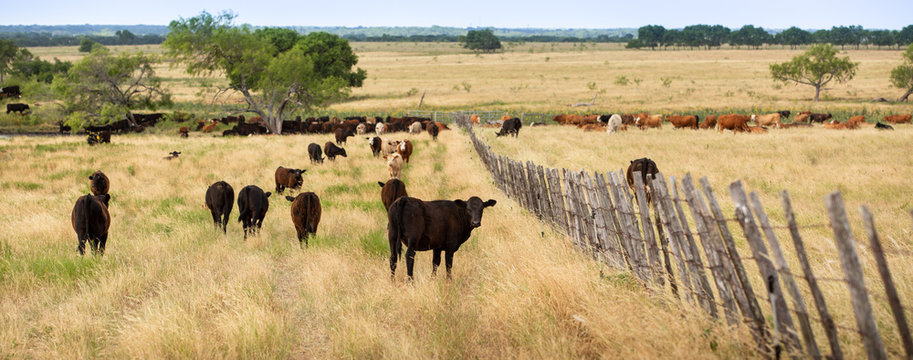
<point x="679" y="241"/>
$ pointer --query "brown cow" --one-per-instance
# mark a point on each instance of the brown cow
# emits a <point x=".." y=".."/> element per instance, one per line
<point x="374" y="142"/>
<point x="897" y="119"/>
<point x="210" y="127"/>
<point x="442" y="226"/>
<point x="834" y="125"/>
<point x="220" y="198"/>
<point x="593" y="127"/>
<point x="433" y="129"/>
<point x="305" y="215"/>
<point x="647" y="169"/>
<point x="405" y="149"/>
<point x="708" y="123"/>
<point x="474" y="119"/>
<point x="99" y="183"/>
<point x="288" y="178"/>
<point x="757" y="129"/>
<point x="653" y="121"/>
<point x="683" y="121"/>
<point x="390" y="191"/>
<point x="734" y="122"/>
<point x="90" y="220"/>
<point x="184" y="131"/>
<point x="858" y="119"/>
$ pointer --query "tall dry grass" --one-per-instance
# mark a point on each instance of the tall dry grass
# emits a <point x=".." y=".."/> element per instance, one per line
<point x="869" y="167"/>
<point x="171" y="285"/>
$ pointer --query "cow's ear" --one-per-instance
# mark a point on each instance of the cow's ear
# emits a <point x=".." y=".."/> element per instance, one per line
<point x="289" y="198"/>
<point x="268" y="194"/>
<point x="489" y="203"/>
<point x="105" y="198"/>
<point x="380" y="183"/>
<point x="460" y="203"/>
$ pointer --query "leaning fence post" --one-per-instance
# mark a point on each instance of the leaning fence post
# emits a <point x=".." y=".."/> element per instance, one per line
<point x="852" y="269"/>
<point x="891" y="291"/>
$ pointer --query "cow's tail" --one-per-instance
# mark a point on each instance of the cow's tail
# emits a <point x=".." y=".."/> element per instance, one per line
<point x="395" y="227"/>
<point x="85" y="204"/>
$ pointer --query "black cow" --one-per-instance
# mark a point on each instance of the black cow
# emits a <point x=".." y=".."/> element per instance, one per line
<point x="91" y="221"/>
<point x="11" y="91"/>
<point x="99" y="183"/>
<point x="440" y="225"/>
<point x="244" y="129"/>
<point x="819" y="117"/>
<point x="433" y="130"/>
<point x="784" y="114"/>
<point x="220" y="198"/>
<point x="20" y="108"/>
<point x="63" y="128"/>
<point x="315" y="153"/>
<point x="882" y="126"/>
<point x="510" y="126"/>
<point x="101" y="137"/>
<point x="305" y="215"/>
<point x="253" y="204"/>
<point x="332" y="151"/>
<point x="375" y="145"/>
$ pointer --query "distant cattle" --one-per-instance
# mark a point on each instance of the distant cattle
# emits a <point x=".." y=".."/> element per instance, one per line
<point x="315" y="154"/>
<point x="341" y="135"/>
<point x="734" y="122"/>
<point x="361" y="129"/>
<point x="708" y="123"/>
<point x="881" y="126"/>
<point x="388" y="147"/>
<point x="820" y="118"/>
<point x="767" y="120"/>
<point x="288" y="178"/>
<point x="332" y="151"/>
<point x="405" y="149"/>
<point x="802" y="117"/>
<point x="795" y="125"/>
<point x="90" y="220"/>
<point x="172" y="155"/>
<point x="244" y="129"/>
<point x="654" y="121"/>
<point x="474" y="119"/>
<point x="63" y="128"/>
<point x="858" y="119"/>
<point x="220" y="198"/>
<point x="648" y="171"/>
<point x="380" y="129"/>
<point x="510" y="127"/>
<point x="684" y="121"/>
<point x="20" y="108"/>
<point x="841" y="126"/>
<point x="757" y="129"/>
<point x="390" y="191"/>
<point x="209" y="127"/>
<point x="613" y="124"/>
<point x="441" y="226"/>
<point x="253" y="204"/>
<point x="374" y="143"/>
<point x="896" y="119"/>
<point x="784" y="114"/>
<point x="306" y="212"/>
<point x="184" y="131"/>
<point x="101" y="137"/>
<point x="98" y="183"/>
<point x="415" y="128"/>
<point x="11" y="91"/>
<point x="433" y="130"/>
<point x="395" y="165"/>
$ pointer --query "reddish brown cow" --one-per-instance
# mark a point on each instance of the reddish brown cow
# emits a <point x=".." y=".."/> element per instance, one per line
<point x="90" y="220"/>
<point x="897" y="119"/>
<point x="683" y="121"/>
<point x="734" y="122"/>
<point x="288" y="178"/>
<point x="99" y="183"/>
<point x="405" y="149"/>
<point x="708" y="123"/>
<point x="858" y="119"/>
<point x="391" y="191"/>
<point x="305" y="215"/>
<point x="653" y="121"/>
<point x="757" y="130"/>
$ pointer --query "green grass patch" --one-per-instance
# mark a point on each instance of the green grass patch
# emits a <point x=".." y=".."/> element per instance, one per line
<point x="22" y="185"/>
<point x="375" y="243"/>
<point x="58" y="269"/>
<point x="46" y="148"/>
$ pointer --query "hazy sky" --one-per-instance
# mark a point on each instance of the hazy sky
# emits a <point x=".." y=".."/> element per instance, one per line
<point x="876" y="14"/>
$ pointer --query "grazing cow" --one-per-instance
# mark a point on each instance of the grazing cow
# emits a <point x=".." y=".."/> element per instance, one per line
<point x="315" y="154"/>
<point x="784" y="114"/>
<point x="172" y="155"/>
<point x="654" y="121"/>
<point x="613" y="124"/>
<point x="474" y="119"/>
<point x="441" y="225"/>
<point x="415" y="128"/>
<point x="896" y="119"/>
<point x="757" y="129"/>
<point x="510" y="127"/>
<point x="734" y="122"/>
<point x="375" y="145"/>
<point x="11" y="91"/>
<point x="341" y="135"/>
<point x="288" y="178"/>
<point x="404" y="149"/>
<point x="220" y="198"/>
<point x="388" y="147"/>
<point x="819" y="117"/>
<point x="20" y="108"/>
<point x="305" y="215"/>
<point x="209" y="127"/>
<point x="767" y="120"/>
<point x="390" y="191"/>
<point x="99" y="183"/>
<point x="708" y="123"/>
<point x="361" y="129"/>
<point x="90" y="220"/>
<point x="433" y="130"/>
<point x="395" y="165"/>
<point x="380" y="129"/>
<point x="802" y="117"/>
<point x="647" y="169"/>
<point x="684" y="121"/>
<point x="881" y="126"/>
<point x="332" y="151"/>
<point x="184" y="131"/>
<point x="253" y="204"/>
<point x="858" y="119"/>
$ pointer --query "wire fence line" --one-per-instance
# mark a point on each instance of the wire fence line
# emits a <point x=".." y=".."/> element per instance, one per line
<point x="616" y="224"/>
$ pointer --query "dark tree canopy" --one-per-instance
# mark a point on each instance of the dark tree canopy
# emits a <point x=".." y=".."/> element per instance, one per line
<point x="481" y="40"/>
<point x="902" y="75"/>
<point x="816" y="67"/>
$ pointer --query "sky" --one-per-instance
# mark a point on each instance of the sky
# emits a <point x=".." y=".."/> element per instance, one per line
<point x="591" y="14"/>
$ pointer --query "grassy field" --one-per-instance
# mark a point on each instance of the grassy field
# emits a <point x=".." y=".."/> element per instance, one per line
<point x="869" y="167"/>
<point x="170" y="285"/>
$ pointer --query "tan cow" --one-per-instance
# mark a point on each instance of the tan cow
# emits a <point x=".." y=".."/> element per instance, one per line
<point x="767" y="120"/>
<point x="653" y="121"/>
<point x="395" y="165"/>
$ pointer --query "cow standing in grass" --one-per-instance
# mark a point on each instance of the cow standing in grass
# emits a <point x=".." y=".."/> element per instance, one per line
<point x="253" y="204"/>
<point x="90" y="220"/>
<point x="305" y="215"/>
<point x="220" y="198"/>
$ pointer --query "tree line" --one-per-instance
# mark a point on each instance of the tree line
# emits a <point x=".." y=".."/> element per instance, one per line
<point x="122" y="37"/>
<point x="714" y="36"/>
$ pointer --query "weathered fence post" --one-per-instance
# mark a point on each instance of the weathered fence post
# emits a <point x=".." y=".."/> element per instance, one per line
<point x="661" y="195"/>
<point x="649" y="236"/>
<point x="691" y="250"/>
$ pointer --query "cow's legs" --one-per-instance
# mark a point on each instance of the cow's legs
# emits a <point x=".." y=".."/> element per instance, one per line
<point x="410" y="261"/>
<point x="435" y="261"/>
<point x="82" y="244"/>
<point x="448" y="257"/>
<point x="94" y="243"/>
<point x="101" y="244"/>
<point x="216" y="218"/>
<point x="224" y="223"/>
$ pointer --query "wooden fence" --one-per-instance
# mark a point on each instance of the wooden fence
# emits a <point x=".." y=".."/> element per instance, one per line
<point x="654" y="240"/>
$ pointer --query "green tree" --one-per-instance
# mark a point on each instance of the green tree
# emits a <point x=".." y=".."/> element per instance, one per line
<point x="8" y="53"/>
<point x="125" y="37"/>
<point x="28" y="66"/>
<point x="904" y="37"/>
<point x="750" y="36"/>
<point x="314" y="72"/>
<point x="650" y="35"/>
<point x="902" y="75"/>
<point x="481" y="40"/>
<point x="107" y="86"/>
<point x="86" y="44"/>
<point x="794" y="37"/>
<point x="816" y="67"/>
